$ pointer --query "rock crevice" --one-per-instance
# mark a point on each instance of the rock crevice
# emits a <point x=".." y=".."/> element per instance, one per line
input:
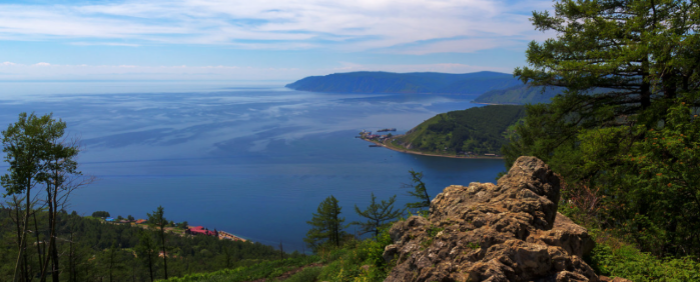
<point x="485" y="232"/>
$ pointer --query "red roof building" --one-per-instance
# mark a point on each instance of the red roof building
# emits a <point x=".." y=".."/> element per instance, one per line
<point x="199" y="230"/>
<point x="140" y="221"/>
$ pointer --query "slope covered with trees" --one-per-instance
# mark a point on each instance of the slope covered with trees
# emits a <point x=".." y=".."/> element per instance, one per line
<point x="419" y="82"/>
<point x="478" y="130"/>
<point x="93" y="250"/>
<point x="519" y="95"/>
<point x="629" y="155"/>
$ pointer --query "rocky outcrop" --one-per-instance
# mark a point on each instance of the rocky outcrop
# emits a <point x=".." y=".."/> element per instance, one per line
<point x="486" y="232"/>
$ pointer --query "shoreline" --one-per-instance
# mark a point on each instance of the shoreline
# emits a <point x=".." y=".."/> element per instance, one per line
<point x="496" y="104"/>
<point x="429" y="155"/>
<point x="221" y="236"/>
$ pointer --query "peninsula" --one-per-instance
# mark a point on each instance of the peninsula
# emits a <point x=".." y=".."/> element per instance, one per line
<point x="477" y="132"/>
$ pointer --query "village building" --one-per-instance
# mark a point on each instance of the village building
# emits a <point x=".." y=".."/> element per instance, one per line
<point x="199" y="230"/>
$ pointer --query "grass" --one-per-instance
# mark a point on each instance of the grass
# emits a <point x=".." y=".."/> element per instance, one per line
<point x="267" y="269"/>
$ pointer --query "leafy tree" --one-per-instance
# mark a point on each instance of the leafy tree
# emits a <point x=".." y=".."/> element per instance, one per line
<point x="419" y="191"/>
<point x="158" y="222"/>
<point x="130" y="218"/>
<point x="24" y="145"/>
<point x="378" y="215"/>
<point x="327" y="225"/>
<point x="61" y="177"/>
<point x="100" y="214"/>
<point x="37" y="153"/>
<point x="626" y="65"/>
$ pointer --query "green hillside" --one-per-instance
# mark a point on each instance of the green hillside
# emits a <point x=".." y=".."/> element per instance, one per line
<point x="478" y="130"/>
<point x="424" y="82"/>
<point x="519" y="95"/>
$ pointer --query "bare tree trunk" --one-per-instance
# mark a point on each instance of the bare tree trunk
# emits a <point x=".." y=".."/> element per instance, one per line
<point x="22" y="256"/>
<point x="54" y="220"/>
<point x="45" y="263"/>
<point x="150" y="263"/>
<point x="71" y="265"/>
<point x="39" y="246"/>
<point x="165" y="255"/>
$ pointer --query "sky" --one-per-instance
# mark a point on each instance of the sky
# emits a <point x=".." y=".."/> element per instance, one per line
<point x="260" y="40"/>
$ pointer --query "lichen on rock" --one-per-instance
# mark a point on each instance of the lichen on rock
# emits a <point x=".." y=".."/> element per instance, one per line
<point x="485" y="232"/>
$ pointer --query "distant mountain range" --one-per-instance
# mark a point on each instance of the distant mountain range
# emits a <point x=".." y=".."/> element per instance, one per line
<point x="407" y="83"/>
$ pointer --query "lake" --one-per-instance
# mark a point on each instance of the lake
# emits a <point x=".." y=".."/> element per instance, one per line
<point x="251" y="159"/>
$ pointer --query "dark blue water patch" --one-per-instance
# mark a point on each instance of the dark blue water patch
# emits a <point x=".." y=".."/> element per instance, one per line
<point x="253" y="163"/>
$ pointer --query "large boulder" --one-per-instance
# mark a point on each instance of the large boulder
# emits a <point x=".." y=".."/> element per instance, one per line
<point x="485" y="232"/>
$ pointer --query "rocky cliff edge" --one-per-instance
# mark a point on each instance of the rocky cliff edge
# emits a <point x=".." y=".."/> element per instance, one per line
<point x="485" y="232"/>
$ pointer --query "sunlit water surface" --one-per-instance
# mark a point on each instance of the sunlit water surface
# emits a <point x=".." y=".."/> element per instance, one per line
<point x="254" y="160"/>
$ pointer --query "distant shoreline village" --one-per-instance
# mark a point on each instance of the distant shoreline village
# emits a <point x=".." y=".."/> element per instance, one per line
<point x="177" y="229"/>
<point x="386" y="141"/>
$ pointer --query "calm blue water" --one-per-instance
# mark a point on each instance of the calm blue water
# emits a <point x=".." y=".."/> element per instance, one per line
<point x="252" y="160"/>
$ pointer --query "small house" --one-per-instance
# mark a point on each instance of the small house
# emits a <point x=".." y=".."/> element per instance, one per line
<point x="199" y="230"/>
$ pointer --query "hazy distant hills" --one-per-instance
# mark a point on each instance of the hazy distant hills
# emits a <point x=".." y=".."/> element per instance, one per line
<point x="417" y="82"/>
<point x="519" y="95"/>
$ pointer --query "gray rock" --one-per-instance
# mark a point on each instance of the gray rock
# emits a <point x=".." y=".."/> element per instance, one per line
<point x="485" y="232"/>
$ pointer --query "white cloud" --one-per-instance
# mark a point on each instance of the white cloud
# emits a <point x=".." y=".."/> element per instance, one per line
<point x="277" y="24"/>
<point x="42" y="64"/>
<point x="104" y="44"/>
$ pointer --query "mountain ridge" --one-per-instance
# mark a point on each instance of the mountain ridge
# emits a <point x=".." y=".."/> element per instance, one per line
<point x="406" y="83"/>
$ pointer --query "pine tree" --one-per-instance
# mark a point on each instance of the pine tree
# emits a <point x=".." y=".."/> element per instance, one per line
<point x="378" y="215"/>
<point x="158" y="222"/>
<point x="419" y="191"/>
<point x="626" y="65"/>
<point x="327" y="225"/>
<point x="146" y="251"/>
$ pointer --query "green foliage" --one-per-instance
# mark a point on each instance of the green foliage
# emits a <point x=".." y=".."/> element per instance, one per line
<point x="327" y="225"/>
<point x="629" y="263"/>
<point x="660" y="185"/>
<point x="478" y="130"/>
<point x="473" y="245"/>
<point x="419" y="191"/>
<point x="266" y="270"/>
<point x="432" y="231"/>
<point x="378" y="215"/>
<point x="358" y="261"/>
<point x="92" y="240"/>
<point x="520" y="95"/>
<point x="627" y="154"/>
<point x="100" y="214"/>
<point x="308" y="274"/>
<point x="158" y="222"/>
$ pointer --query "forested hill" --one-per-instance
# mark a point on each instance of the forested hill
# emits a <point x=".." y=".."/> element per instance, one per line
<point x="519" y="95"/>
<point x="478" y="130"/>
<point x="418" y="82"/>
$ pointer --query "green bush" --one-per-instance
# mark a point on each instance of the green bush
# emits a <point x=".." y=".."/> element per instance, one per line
<point x="628" y="262"/>
<point x="267" y="269"/>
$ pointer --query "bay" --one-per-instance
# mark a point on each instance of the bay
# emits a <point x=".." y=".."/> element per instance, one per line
<point x="251" y="159"/>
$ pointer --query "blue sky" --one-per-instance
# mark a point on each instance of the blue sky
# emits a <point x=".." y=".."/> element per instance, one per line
<point x="259" y="39"/>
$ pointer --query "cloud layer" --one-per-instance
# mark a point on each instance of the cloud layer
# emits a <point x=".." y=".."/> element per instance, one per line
<point x="403" y="26"/>
<point x="47" y="71"/>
